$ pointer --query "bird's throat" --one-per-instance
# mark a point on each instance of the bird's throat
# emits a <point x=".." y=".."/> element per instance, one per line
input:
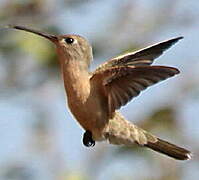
<point x="76" y="81"/>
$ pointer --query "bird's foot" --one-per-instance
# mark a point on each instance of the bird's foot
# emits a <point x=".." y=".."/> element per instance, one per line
<point x="88" y="140"/>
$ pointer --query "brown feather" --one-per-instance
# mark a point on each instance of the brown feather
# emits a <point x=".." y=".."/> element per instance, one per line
<point x="124" y="83"/>
<point x="141" y="57"/>
<point x="169" y="149"/>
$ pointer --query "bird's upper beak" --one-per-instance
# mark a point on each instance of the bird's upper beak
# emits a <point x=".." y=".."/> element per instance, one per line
<point x="51" y="37"/>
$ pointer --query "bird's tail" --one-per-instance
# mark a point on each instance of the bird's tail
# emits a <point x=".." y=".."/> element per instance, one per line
<point x="121" y="131"/>
<point x="169" y="149"/>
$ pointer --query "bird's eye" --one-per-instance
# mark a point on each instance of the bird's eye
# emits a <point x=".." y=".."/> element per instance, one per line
<point x="69" y="40"/>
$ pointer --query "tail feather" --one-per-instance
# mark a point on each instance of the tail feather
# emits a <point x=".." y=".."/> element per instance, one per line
<point x="169" y="149"/>
<point x="122" y="132"/>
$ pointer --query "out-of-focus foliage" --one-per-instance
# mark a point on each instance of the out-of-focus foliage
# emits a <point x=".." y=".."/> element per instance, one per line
<point x="39" y="141"/>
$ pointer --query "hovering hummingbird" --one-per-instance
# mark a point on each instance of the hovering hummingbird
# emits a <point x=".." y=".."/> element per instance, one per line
<point x="94" y="98"/>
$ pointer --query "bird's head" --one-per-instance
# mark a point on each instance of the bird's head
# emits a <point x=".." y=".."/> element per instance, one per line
<point x="69" y="47"/>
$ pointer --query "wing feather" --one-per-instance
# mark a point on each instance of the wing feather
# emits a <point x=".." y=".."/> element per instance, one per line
<point x="124" y="83"/>
<point x="141" y="57"/>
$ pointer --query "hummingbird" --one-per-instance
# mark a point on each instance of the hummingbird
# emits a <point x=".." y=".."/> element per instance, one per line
<point x="94" y="97"/>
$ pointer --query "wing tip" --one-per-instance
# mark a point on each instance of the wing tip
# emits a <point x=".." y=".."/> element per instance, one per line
<point x="179" y="37"/>
<point x="176" y="39"/>
<point x="176" y="71"/>
<point x="173" y="70"/>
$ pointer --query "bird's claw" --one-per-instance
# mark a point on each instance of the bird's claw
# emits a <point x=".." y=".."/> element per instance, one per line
<point x="88" y="140"/>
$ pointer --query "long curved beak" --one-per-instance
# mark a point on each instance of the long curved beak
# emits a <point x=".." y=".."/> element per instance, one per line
<point x="51" y="37"/>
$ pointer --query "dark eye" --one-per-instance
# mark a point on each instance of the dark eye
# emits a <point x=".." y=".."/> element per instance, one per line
<point x="69" y="40"/>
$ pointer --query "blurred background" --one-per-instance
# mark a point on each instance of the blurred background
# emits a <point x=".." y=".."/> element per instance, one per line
<point x="39" y="138"/>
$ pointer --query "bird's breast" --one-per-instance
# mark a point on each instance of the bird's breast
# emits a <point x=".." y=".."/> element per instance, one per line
<point x="91" y="111"/>
<point x="85" y="99"/>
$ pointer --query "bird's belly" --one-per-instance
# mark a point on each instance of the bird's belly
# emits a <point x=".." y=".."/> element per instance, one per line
<point x="92" y="115"/>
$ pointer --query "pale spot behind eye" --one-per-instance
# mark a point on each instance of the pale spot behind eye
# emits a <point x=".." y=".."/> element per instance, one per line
<point x="75" y="41"/>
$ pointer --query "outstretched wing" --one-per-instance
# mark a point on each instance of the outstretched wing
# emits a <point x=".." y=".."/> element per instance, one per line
<point x="121" y="84"/>
<point x="141" y="57"/>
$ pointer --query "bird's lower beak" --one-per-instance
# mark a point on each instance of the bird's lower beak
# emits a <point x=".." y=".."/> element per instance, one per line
<point x="52" y="38"/>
